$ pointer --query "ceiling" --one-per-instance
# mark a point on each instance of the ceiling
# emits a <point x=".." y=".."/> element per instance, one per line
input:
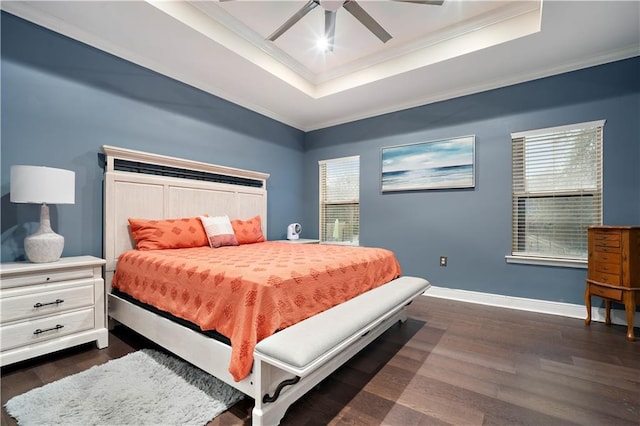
<point x="435" y="53"/>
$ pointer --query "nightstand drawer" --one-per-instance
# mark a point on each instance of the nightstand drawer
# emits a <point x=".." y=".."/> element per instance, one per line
<point x="34" y="331"/>
<point x="46" y="302"/>
<point x="46" y="277"/>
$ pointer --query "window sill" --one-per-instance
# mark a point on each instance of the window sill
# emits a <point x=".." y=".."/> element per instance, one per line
<point x="547" y="261"/>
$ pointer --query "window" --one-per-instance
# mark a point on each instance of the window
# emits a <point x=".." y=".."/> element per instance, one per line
<point x="557" y="190"/>
<point x="340" y="200"/>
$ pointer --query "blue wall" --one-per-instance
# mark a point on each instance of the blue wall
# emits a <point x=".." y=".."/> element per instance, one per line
<point x="472" y="227"/>
<point x="62" y="100"/>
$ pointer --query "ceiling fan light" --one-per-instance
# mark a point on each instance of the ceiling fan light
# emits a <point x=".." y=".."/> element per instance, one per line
<point x="323" y="44"/>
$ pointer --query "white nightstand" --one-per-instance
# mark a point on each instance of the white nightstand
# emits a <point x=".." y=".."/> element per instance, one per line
<point x="45" y="307"/>
<point x="301" y="241"/>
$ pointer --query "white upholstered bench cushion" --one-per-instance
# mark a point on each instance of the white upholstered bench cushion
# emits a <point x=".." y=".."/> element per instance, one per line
<point x="302" y="343"/>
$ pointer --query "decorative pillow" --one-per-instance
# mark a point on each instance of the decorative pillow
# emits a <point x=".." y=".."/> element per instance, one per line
<point x="248" y="231"/>
<point x="168" y="233"/>
<point x="219" y="231"/>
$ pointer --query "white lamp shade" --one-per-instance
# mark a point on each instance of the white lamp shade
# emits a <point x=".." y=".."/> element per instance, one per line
<point x="36" y="184"/>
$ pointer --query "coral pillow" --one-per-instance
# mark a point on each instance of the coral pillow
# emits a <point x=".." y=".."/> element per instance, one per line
<point x="248" y="231"/>
<point x="219" y="231"/>
<point x="168" y="233"/>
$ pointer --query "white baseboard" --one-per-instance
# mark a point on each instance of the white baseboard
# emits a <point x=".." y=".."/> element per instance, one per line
<point x="570" y="310"/>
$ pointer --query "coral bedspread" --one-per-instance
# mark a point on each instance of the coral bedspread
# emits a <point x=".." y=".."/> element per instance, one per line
<point x="248" y="292"/>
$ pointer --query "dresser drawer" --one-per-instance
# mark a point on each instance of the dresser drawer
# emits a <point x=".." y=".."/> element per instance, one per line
<point x="607" y="293"/>
<point x="606" y="239"/>
<point x="46" y="328"/>
<point x="606" y="235"/>
<point x="51" y="301"/>
<point x="605" y="278"/>
<point x="607" y="249"/>
<point x="46" y="277"/>
<point x="606" y="257"/>
<point x="607" y="268"/>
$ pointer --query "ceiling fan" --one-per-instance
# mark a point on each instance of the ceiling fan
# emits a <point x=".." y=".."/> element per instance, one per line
<point x="330" y="9"/>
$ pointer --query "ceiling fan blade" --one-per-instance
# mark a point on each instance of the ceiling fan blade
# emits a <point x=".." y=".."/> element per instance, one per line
<point x="330" y="28"/>
<point x="295" y="18"/>
<point x="430" y="2"/>
<point x="361" y="15"/>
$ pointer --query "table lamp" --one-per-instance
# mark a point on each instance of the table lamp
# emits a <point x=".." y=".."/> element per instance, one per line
<point x="43" y="185"/>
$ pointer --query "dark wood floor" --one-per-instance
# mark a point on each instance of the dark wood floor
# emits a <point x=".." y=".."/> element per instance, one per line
<point x="451" y="363"/>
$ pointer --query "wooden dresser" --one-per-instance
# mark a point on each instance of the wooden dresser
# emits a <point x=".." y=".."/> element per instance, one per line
<point x="614" y="270"/>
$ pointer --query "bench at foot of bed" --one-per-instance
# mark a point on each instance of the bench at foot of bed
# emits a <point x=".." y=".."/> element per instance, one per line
<point x="304" y="354"/>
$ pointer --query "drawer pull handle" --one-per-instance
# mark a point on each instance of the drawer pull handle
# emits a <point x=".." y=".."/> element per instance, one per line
<point x="40" y="305"/>
<point x="57" y="327"/>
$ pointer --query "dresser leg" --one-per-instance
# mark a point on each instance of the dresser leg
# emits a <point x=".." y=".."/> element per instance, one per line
<point x="630" y="309"/>
<point x="587" y="302"/>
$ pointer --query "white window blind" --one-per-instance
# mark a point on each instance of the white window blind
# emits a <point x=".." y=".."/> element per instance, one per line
<point x="340" y="200"/>
<point x="557" y="190"/>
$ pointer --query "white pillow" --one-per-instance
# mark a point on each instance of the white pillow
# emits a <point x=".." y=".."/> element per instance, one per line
<point x="219" y="231"/>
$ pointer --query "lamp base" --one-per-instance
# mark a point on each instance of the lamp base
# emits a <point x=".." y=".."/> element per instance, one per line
<point x="44" y="245"/>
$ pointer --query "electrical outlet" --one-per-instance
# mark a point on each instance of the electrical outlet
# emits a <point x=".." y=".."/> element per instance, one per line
<point x="443" y="260"/>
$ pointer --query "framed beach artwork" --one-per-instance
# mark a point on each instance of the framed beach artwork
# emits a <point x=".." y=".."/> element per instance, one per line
<point x="440" y="164"/>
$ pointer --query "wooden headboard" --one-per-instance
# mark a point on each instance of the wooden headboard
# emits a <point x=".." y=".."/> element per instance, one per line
<point x="151" y="186"/>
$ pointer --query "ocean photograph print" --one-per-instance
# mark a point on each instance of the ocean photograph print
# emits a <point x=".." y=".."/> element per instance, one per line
<point x="440" y="164"/>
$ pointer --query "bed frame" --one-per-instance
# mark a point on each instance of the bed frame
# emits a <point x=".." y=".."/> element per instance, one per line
<point x="144" y="185"/>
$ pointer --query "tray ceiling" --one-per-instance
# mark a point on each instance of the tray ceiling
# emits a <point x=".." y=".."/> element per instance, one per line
<point x="435" y="53"/>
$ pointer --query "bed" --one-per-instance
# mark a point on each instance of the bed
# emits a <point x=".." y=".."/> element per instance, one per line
<point x="264" y="363"/>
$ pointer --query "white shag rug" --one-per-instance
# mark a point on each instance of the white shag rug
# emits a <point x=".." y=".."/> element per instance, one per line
<point x="142" y="388"/>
